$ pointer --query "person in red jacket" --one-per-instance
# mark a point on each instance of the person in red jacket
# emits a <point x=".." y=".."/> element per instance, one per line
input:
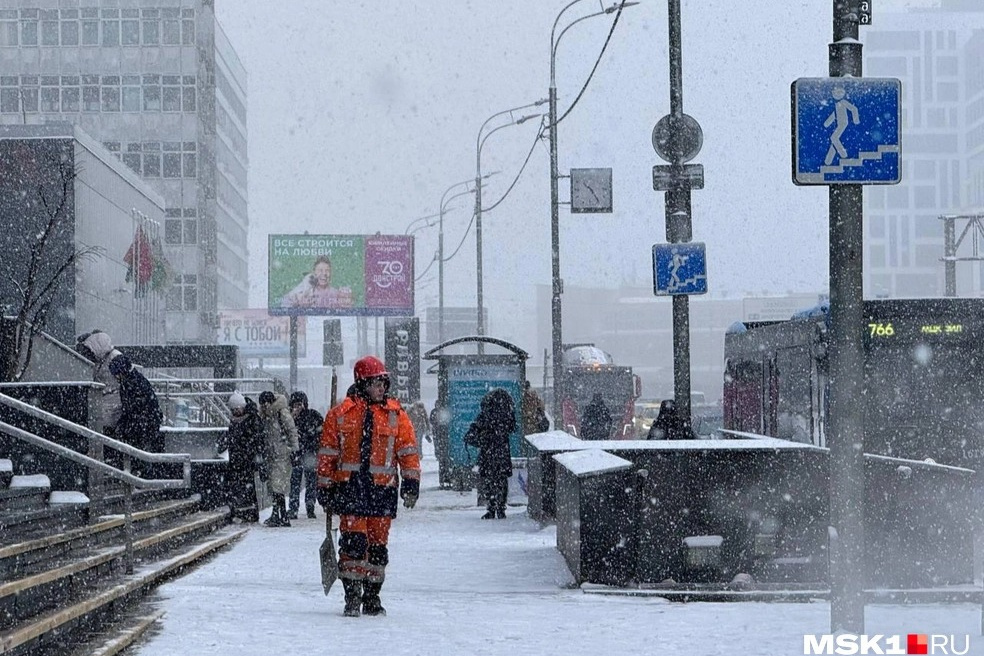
<point x="368" y="455"/>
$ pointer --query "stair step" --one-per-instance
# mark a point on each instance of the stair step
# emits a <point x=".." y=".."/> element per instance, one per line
<point x="55" y="626"/>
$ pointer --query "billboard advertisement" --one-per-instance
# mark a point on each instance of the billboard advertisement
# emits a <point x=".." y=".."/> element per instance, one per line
<point x="340" y="275"/>
<point x="258" y="335"/>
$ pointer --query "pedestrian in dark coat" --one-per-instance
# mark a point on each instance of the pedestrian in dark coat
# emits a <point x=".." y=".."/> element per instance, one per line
<point x="305" y="463"/>
<point x="244" y="441"/>
<point x="669" y="425"/>
<point x="140" y="419"/>
<point x="596" y="421"/>
<point x="490" y="432"/>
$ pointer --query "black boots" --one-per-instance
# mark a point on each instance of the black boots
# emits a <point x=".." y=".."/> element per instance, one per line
<point x="310" y="513"/>
<point x="370" y="599"/>
<point x="279" y="515"/>
<point x="353" y="597"/>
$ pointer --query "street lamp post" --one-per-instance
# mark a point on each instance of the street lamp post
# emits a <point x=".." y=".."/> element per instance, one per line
<point x="556" y="314"/>
<point x="445" y="199"/>
<point x="479" y="142"/>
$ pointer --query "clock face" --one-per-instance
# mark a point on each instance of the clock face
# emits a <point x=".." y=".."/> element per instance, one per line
<point x="591" y="190"/>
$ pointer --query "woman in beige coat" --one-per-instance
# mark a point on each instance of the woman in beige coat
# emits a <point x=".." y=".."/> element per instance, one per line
<point x="280" y="445"/>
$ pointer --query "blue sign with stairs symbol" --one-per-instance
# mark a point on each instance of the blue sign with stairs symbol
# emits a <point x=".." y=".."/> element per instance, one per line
<point x="847" y="131"/>
<point x="679" y="269"/>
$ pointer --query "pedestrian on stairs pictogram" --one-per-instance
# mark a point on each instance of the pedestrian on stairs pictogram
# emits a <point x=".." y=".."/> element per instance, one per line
<point x="679" y="269"/>
<point x="846" y="131"/>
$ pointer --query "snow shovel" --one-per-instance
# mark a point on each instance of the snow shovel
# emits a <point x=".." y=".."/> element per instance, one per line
<point x="329" y="563"/>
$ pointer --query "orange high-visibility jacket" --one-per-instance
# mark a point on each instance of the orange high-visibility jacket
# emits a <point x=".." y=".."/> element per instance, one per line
<point x="394" y="447"/>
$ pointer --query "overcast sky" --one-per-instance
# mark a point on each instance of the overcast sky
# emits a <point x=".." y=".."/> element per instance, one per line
<point x="362" y="113"/>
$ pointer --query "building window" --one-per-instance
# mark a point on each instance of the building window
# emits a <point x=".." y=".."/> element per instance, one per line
<point x="29" y="27"/>
<point x="152" y="159"/>
<point x="183" y="295"/>
<point x="90" y="26"/>
<point x="49" y="27"/>
<point x="180" y="159"/>
<point x="110" y="93"/>
<point x="189" y="93"/>
<point x="8" y="27"/>
<point x="152" y="92"/>
<point x="90" y="93"/>
<point x="131" y="93"/>
<point x="181" y="230"/>
<point x="130" y="27"/>
<point x="9" y="95"/>
<point x="171" y="93"/>
<point x="170" y="26"/>
<point x="50" y="101"/>
<point x="151" y="27"/>
<point x="29" y="93"/>
<point x="188" y="27"/>
<point x="110" y="27"/>
<point x="133" y="158"/>
<point x="113" y="147"/>
<point x="70" y="93"/>
<point x="70" y="27"/>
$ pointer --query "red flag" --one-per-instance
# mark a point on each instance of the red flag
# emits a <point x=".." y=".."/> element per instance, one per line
<point x="140" y="260"/>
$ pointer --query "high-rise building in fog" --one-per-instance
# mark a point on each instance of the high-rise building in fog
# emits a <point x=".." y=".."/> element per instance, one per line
<point x="163" y="89"/>
<point x="938" y="55"/>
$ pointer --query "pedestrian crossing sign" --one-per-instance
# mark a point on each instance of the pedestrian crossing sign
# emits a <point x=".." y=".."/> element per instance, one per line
<point x="679" y="269"/>
<point x="847" y="131"/>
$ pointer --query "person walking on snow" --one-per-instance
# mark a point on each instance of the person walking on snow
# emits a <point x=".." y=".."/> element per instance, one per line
<point x="596" y="422"/>
<point x="368" y="448"/>
<point x="105" y="405"/>
<point x="490" y="433"/>
<point x="280" y="443"/>
<point x="309" y="423"/>
<point x="244" y="441"/>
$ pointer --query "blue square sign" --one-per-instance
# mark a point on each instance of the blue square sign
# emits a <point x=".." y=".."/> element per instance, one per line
<point x="679" y="269"/>
<point x="847" y="130"/>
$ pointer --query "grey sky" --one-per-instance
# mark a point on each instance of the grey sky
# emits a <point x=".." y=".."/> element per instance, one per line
<point x="361" y="113"/>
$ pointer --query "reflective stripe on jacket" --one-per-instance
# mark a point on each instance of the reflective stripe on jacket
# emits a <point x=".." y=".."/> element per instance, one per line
<point x="394" y="448"/>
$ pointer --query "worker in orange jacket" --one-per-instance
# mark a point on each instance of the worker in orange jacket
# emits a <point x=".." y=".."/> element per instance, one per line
<point x="367" y="440"/>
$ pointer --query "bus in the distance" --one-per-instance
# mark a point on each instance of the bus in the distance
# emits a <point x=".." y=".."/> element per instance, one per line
<point x="923" y="390"/>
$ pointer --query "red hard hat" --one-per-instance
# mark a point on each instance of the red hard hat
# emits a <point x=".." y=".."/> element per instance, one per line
<point x="369" y="367"/>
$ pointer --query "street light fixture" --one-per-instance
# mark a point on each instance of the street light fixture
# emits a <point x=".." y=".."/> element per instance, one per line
<point x="479" y="143"/>
<point x="557" y="284"/>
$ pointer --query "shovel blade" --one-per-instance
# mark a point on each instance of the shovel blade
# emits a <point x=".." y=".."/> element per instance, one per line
<point x="329" y="564"/>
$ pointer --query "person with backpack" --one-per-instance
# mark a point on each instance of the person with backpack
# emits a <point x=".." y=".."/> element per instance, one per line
<point x="305" y="462"/>
<point x="140" y="419"/>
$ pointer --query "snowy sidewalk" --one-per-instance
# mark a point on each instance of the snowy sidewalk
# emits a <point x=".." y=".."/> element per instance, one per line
<point x="460" y="585"/>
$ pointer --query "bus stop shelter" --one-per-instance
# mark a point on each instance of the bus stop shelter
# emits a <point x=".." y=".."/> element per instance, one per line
<point x="466" y="373"/>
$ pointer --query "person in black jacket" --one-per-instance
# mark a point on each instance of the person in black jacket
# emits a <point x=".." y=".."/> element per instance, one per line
<point x="244" y="441"/>
<point x="490" y="432"/>
<point x="305" y="462"/>
<point x="596" y="422"/>
<point x="140" y="419"/>
<point x="669" y="425"/>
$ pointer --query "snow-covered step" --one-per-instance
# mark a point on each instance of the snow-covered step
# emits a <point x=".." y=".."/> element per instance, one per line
<point x="6" y="472"/>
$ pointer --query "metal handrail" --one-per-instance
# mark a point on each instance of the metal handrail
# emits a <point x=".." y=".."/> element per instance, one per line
<point x="92" y="435"/>
<point x="129" y="480"/>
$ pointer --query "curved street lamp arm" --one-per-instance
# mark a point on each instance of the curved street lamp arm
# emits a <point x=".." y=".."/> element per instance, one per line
<point x="478" y="139"/>
<point x="444" y="204"/>
<point x="553" y="42"/>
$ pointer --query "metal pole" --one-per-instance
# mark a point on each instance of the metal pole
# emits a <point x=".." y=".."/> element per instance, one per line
<point x="949" y="255"/>
<point x="845" y="421"/>
<point x="440" y="278"/>
<point x="677" y="209"/>
<point x="478" y="242"/>
<point x="292" y="330"/>
<point x="558" y="285"/>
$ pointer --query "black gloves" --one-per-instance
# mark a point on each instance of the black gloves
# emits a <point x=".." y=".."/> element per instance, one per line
<point x="409" y="500"/>
<point x="326" y="496"/>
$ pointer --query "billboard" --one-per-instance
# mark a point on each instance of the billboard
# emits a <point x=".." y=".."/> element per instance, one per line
<point x="258" y="335"/>
<point x="340" y="275"/>
<point x="403" y="358"/>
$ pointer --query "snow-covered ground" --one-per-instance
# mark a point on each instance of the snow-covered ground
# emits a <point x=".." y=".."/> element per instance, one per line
<point x="460" y="585"/>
